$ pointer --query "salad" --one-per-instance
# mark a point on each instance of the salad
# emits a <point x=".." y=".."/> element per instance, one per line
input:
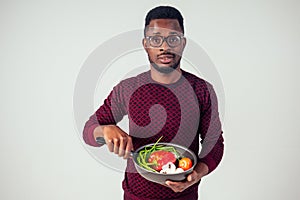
<point x="163" y="159"/>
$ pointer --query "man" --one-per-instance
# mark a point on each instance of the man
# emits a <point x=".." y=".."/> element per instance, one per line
<point x="165" y="101"/>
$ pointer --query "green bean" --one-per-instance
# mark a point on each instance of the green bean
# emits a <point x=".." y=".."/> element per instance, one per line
<point x="144" y="154"/>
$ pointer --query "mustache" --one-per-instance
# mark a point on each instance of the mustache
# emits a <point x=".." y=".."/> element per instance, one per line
<point x="167" y="53"/>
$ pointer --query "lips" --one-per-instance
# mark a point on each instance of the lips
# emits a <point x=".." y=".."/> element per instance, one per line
<point x="166" y="58"/>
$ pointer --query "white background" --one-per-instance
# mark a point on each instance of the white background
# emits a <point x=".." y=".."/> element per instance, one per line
<point x="254" y="45"/>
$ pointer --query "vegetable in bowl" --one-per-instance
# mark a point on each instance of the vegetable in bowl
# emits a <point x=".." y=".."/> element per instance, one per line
<point x="160" y="157"/>
<point x="165" y="159"/>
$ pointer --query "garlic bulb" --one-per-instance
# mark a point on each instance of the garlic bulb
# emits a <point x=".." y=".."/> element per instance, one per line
<point x="168" y="168"/>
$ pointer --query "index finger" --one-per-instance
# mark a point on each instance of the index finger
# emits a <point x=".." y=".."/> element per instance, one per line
<point x="129" y="148"/>
<point x="176" y="183"/>
<point x="176" y="186"/>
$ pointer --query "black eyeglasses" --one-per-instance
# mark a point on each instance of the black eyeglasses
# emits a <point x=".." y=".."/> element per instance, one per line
<point x="157" y="40"/>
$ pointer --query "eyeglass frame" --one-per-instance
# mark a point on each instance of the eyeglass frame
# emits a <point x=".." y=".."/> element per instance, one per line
<point x="164" y="39"/>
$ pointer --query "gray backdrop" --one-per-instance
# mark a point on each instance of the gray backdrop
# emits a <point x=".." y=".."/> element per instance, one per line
<point x="43" y="45"/>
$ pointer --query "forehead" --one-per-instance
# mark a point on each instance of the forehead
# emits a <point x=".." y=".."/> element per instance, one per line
<point x="164" y="26"/>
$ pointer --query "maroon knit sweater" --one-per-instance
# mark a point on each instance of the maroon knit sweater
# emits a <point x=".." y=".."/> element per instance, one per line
<point x="183" y="113"/>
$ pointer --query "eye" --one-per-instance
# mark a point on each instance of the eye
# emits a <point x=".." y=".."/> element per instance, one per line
<point x="173" y="39"/>
<point x="155" y="40"/>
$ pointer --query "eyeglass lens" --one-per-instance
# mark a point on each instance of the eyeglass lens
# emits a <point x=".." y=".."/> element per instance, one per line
<point x="172" y="40"/>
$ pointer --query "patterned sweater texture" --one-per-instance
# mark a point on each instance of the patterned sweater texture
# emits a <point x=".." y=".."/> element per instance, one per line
<point x="184" y="113"/>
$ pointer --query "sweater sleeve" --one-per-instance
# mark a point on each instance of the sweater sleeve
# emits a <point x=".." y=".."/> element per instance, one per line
<point x="111" y="112"/>
<point x="210" y="129"/>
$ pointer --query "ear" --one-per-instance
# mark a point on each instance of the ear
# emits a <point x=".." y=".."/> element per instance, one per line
<point x="144" y="42"/>
<point x="183" y="42"/>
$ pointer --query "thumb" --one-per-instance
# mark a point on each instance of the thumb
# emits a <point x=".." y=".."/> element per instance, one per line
<point x="191" y="177"/>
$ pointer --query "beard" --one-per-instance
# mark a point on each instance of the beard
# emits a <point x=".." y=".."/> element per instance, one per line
<point x="165" y="70"/>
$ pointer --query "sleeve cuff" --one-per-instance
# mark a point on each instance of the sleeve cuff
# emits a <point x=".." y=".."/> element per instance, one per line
<point x="90" y="137"/>
<point x="211" y="164"/>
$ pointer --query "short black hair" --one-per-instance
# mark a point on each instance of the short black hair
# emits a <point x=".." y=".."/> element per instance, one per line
<point x="164" y="12"/>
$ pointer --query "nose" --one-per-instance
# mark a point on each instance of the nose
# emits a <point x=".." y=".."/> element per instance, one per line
<point x="164" y="46"/>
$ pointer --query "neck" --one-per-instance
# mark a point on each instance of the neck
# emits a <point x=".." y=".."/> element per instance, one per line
<point x="169" y="78"/>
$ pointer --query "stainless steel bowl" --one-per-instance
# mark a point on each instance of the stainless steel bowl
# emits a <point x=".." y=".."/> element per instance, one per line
<point x="159" y="177"/>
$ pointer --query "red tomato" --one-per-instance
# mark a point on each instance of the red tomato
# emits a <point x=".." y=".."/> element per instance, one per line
<point x="185" y="163"/>
<point x="161" y="158"/>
